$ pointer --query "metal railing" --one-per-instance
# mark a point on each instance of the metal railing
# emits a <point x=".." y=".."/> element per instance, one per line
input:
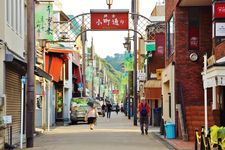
<point x="204" y="142"/>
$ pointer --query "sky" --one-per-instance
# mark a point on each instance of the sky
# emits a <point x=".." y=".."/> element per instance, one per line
<point x="110" y="42"/>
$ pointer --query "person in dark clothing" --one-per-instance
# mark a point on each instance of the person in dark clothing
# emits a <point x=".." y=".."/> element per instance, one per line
<point x="109" y="109"/>
<point x="117" y="108"/>
<point x="103" y="110"/>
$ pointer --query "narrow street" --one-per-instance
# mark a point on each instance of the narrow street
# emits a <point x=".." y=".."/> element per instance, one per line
<point x="114" y="133"/>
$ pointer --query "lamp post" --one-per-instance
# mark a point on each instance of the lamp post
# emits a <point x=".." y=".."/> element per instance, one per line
<point x="109" y="3"/>
<point x="135" y="61"/>
<point x="127" y="45"/>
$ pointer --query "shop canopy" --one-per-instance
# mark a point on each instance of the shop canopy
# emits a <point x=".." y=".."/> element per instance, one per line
<point x="54" y="63"/>
<point x="152" y="90"/>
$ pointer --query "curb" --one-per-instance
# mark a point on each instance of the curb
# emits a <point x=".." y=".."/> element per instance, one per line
<point x="163" y="140"/>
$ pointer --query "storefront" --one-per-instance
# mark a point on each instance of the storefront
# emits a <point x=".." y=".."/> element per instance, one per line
<point x="215" y="79"/>
<point x="15" y="68"/>
<point x="152" y="92"/>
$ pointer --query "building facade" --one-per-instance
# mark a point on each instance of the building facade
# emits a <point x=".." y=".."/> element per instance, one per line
<point x="12" y="65"/>
<point x="188" y="38"/>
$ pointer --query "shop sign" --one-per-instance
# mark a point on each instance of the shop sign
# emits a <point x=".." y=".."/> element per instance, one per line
<point x="115" y="91"/>
<point x="141" y="76"/>
<point x="218" y="10"/>
<point x="109" y="19"/>
<point x="7" y="119"/>
<point x="219" y="29"/>
<point x="150" y="47"/>
<point x="43" y="21"/>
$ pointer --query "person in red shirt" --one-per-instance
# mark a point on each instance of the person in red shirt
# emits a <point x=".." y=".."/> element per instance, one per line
<point x="144" y="114"/>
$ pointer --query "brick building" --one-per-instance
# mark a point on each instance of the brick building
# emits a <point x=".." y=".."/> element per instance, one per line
<point x="188" y="38"/>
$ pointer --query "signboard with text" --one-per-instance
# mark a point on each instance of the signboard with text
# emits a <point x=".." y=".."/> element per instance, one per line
<point x="115" y="91"/>
<point x="109" y="20"/>
<point x="218" y="10"/>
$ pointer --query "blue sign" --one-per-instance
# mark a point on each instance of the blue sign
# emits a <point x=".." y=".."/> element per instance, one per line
<point x="80" y="85"/>
<point x="24" y="79"/>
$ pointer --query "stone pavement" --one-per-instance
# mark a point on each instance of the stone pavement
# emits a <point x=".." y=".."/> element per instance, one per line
<point x="115" y="133"/>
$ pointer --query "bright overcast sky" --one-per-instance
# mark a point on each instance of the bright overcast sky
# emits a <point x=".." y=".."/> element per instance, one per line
<point x="110" y="42"/>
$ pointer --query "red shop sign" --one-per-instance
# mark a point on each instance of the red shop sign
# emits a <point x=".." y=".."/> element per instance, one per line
<point x="109" y="20"/>
<point x="115" y="91"/>
<point x="219" y="10"/>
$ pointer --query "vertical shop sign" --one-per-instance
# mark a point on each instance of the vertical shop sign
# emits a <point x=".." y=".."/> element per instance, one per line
<point x="43" y="21"/>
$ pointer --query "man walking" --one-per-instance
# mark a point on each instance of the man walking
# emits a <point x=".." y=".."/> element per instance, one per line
<point x="109" y="109"/>
<point x="144" y="114"/>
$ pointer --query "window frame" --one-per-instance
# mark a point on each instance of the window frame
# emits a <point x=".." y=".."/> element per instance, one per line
<point x="170" y="36"/>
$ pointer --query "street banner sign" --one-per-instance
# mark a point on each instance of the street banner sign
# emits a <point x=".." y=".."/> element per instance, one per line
<point x="115" y="91"/>
<point x="128" y="61"/>
<point x="109" y="19"/>
<point x="43" y="21"/>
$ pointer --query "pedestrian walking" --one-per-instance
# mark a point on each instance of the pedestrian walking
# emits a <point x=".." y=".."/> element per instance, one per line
<point x="92" y="115"/>
<point x="117" y="108"/>
<point x="103" y="110"/>
<point x="109" y="109"/>
<point x="144" y="114"/>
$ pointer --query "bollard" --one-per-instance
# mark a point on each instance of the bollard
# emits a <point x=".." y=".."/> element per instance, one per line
<point x="196" y="139"/>
<point x="202" y="146"/>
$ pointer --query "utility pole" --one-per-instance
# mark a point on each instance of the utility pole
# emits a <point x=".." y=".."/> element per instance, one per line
<point x="30" y="73"/>
<point x="93" y="73"/>
<point x="129" y="77"/>
<point x="83" y="38"/>
<point x="135" y="61"/>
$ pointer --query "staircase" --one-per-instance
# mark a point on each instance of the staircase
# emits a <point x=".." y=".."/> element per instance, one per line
<point x="195" y="119"/>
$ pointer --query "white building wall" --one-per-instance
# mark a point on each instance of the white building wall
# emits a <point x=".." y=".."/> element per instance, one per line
<point x="13" y="33"/>
<point x="68" y="87"/>
<point x="11" y="37"/>
<point x="2" y="48"/>
<point x="168" y="86"/>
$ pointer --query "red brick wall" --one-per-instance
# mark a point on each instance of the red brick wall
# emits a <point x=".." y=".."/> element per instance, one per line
<point x="170" y="7"/>
<point x="220" y="50"/>
<point x="188" y="73"/>
<point x="195" y="118"/>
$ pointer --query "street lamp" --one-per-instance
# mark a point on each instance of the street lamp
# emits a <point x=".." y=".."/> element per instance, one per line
<point x="127" y="46"/>
<point x="109" y="3"/>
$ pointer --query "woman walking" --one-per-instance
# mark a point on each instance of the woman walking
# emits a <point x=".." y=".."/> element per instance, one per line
<point x="91" y="116"/>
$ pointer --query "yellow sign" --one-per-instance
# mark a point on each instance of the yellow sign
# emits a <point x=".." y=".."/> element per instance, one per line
<point x="159" y="74"/>
<point x="211" y="60"/>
